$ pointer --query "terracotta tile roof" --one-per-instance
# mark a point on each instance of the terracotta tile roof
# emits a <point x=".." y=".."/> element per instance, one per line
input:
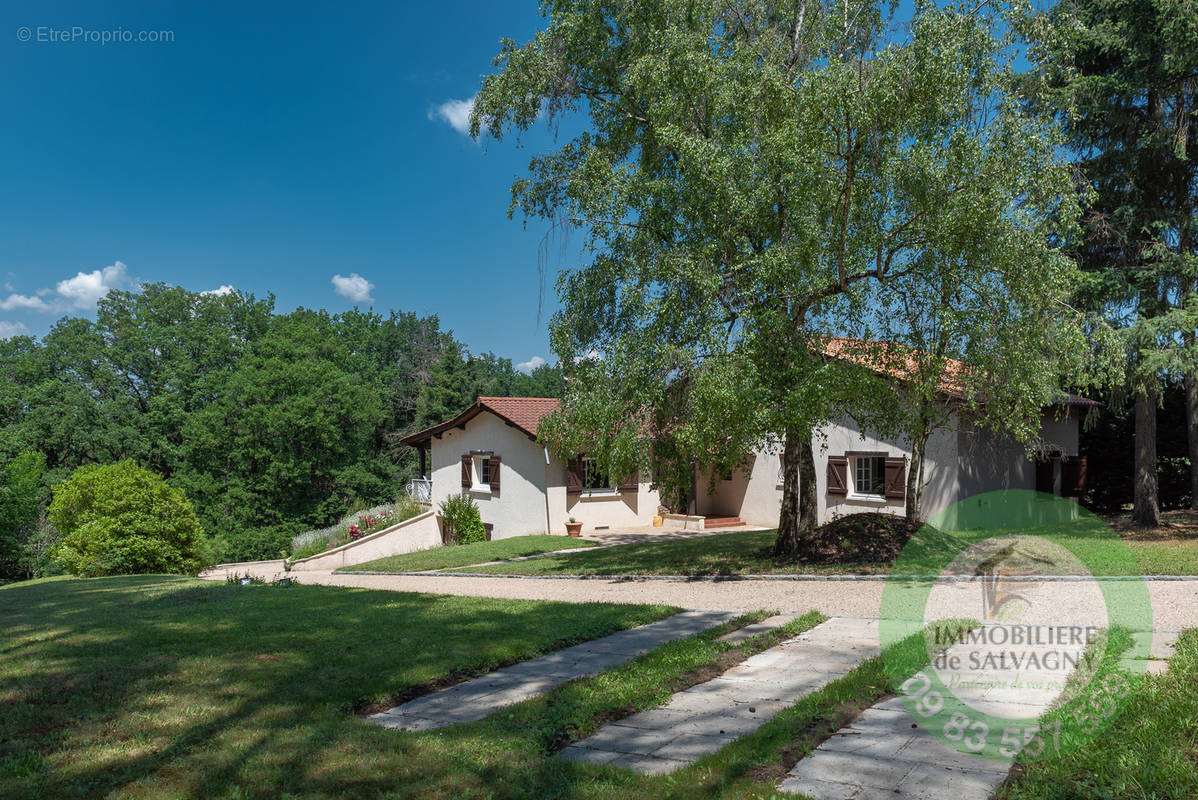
<point x="898" y="361"/>
<point x="895" y="361"/>
<point x="523" y="413"/>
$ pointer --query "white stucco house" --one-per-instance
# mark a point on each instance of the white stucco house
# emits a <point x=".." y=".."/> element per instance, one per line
<point x="490" y="452"/>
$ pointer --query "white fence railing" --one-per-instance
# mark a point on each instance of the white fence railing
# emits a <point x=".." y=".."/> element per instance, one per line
<point x="421" y="490"/>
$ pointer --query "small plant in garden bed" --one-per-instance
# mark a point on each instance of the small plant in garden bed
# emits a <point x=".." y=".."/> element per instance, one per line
<point x="353" y="527"/>
<point x="462" y="520"/>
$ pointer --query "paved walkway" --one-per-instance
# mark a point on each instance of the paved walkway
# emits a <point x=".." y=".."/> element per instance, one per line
<point x="479" y="698"/>
<point x="704" y="718"/>
<point x="888" y="753"/>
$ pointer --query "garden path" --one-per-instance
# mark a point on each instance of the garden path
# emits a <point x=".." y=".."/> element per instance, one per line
<point x="704" y="718"/>
<point x="475" y="699"/>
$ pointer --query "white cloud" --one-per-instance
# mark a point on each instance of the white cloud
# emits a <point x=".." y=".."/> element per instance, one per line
<point x="531" y="364"/>
<point x="456" y="113"/>
<point x="221" y="291"/>
<point x="355" y="287"/>
<point x="78" y="293"/>
<point x="86" y="288"/>
<point x="11" y="329"/>
<point x="28" y="302"/>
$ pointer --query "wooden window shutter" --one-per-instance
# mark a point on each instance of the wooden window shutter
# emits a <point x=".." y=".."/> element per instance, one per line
<point x="896" y="478"/>
<point x="494" y="473"/>
<point x="467" y="471"/>
<point x="1073" y="476"/>
<point x="631" y="483"/>
<point x="838" y="475"/>
<point x="574" y="476"/>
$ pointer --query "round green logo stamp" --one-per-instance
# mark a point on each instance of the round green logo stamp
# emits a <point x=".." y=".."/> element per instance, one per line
<point x="1015" y="623"/>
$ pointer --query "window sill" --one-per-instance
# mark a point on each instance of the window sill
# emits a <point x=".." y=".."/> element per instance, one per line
<point x="599" y="494"/>
<point x="875" y="499"/>
<point x="480" y="489"/>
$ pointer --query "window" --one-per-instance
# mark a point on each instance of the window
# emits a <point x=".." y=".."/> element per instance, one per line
<point x="484" y="470"/>
<point x="593" y="478"/>
<point x="869" y="476"/>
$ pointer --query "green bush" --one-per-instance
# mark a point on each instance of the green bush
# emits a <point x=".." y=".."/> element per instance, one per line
<point x="120" y="519"/>
<point x="21" y="501"/>
<point x="462" y="519"/>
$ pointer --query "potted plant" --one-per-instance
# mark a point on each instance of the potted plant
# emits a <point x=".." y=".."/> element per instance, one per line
<point x="573" y="528"/>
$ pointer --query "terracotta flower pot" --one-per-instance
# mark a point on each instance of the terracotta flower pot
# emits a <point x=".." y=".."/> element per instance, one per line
<point x="574" y="529"/>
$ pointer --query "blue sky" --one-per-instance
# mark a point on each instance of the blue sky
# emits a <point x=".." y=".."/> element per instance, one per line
<point x="268" y="147"/>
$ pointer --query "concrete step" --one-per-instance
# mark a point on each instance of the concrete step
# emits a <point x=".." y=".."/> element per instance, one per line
<point x="722" y="522"/>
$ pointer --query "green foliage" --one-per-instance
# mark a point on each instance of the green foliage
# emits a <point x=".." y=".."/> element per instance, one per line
<point x="1120" y="76"/>
<point x="21" y="499"/>
<point x="1111" y="438"/>
<point x="462" y="519"/>
<point x="272" y="424"/>
<point x="755" y="177"/>
<point x="123" y="519"/>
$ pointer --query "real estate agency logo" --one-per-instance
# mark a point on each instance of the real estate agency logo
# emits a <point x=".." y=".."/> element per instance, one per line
<point x="1002" y="639"/>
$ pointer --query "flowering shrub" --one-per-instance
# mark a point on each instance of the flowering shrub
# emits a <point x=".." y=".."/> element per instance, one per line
<point x="353" y="527"/>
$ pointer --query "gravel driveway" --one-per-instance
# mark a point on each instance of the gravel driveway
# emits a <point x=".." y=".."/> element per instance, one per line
<point x="1174" y="603"/>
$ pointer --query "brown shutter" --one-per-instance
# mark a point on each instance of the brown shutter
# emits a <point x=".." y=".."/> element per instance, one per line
<point x="494" y="473"/>
<point x="1073" y="476"/>
<point x="467" y="472"/>
<point x="631" y="483"/>
<point x="574" y="476"/>
<point x="838" y="475"/>
<point x="896" y="478"/>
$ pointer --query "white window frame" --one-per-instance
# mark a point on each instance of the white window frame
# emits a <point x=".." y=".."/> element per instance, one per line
<point x="480" y="464"/>
<point x="588" y="461"/>
<point x="855" y="463"/>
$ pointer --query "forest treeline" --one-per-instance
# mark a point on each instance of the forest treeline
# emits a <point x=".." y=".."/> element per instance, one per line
<point x="270" y="423"/>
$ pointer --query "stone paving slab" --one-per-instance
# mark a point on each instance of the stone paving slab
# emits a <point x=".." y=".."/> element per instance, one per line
<point x="888" y="753"/>
<point x="756" y="629"/>
<point x="475" y="699"/>
<point x="704" y="718"/>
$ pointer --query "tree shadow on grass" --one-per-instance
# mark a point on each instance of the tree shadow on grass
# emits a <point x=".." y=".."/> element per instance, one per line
<point x="215" y="690"/>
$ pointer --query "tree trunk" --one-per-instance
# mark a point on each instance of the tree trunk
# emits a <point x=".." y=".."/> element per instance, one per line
<point x="799" y="499"/>
<point x="1192" y="432"/>
<point x="1146" y="510"/>
<point x="915" y="476"/>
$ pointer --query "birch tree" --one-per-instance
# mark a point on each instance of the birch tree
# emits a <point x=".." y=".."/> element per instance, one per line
<point x="752" y="177"/>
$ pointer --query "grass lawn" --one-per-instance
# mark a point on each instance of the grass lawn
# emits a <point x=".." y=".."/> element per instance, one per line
<point x="459" y="555"/>
<point x="1163" y="552"/>
<point x="168" y="687"/>
<point x="174" y="687"/>
<point x="1148" y="753"/>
